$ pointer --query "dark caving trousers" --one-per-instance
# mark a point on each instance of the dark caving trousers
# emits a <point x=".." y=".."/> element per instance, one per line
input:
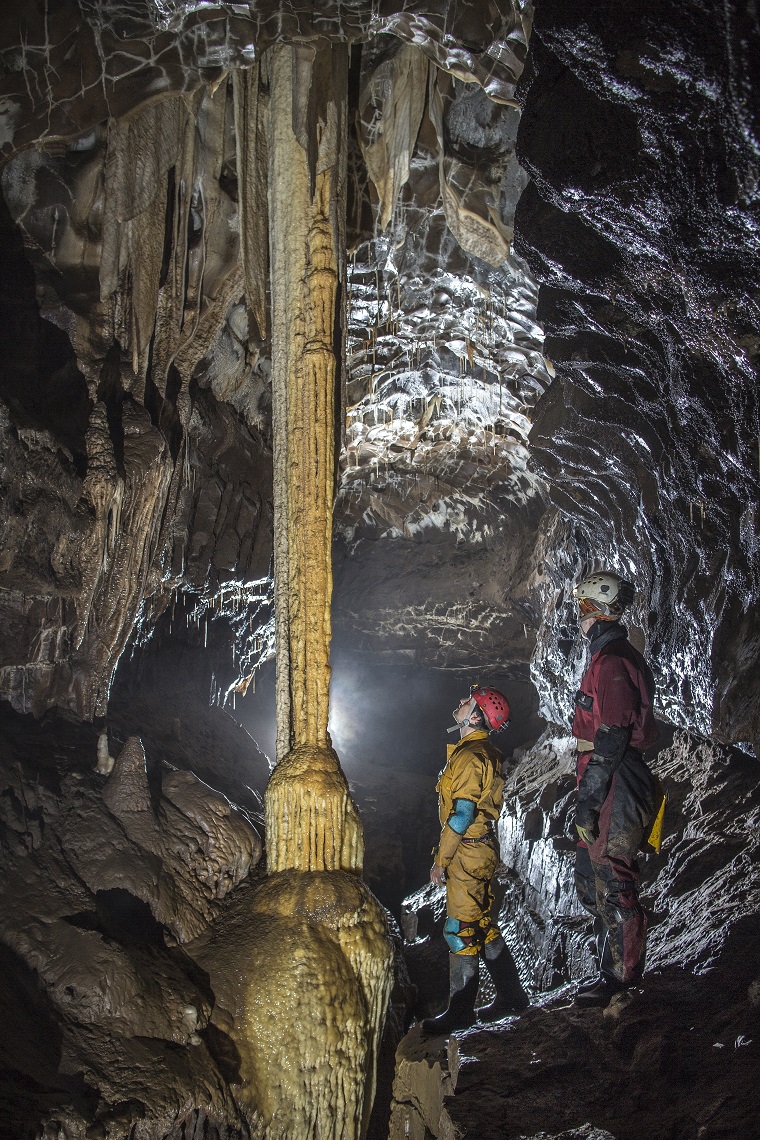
<point x="608" y="889"/>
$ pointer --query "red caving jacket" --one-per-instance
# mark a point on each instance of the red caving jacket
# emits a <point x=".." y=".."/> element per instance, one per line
<point x="618" y="800"/>
<point x="621" y="686"/>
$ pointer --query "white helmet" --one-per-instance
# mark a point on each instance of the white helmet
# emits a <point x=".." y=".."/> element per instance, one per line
<point x="603" y="596"/>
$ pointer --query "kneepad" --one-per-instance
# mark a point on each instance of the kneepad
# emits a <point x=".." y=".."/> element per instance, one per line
<point x="461" y="937"/>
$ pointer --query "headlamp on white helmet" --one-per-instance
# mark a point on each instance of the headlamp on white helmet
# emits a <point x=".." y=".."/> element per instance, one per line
<point x="603" y="596"/>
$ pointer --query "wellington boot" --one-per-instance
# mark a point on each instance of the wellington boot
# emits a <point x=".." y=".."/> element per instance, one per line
<point x="463" y="974"/>
<point x="510" y="997"/>
<point x="589" y="985"/>
<point x="599" y="993"/>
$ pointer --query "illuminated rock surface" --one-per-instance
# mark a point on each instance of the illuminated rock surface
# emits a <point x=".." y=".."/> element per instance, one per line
<point x="643" y="233"/>
<point x="475" y="478"/>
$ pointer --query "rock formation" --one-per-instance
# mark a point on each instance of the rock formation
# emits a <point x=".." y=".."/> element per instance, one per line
<point x="106" y="882"/>
<point x="318" y="953"/>
<point x="533" y="244"/>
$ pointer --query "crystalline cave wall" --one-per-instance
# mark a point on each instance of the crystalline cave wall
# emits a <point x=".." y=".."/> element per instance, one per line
<point x="640" y="135"/>
<point x="137" y="453"/>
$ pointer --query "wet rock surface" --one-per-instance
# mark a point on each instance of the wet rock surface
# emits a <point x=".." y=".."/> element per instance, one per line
<point x="136" y="514"/>
<point x="639" y="132"/>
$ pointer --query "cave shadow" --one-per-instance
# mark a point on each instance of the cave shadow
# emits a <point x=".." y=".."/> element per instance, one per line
<point x="31" y="1050"/>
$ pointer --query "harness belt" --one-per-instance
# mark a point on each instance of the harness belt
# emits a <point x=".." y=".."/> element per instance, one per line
<point x="481" y="839"/>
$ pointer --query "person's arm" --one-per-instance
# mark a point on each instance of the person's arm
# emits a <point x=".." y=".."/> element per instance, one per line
<point x="453" y="830"/>
<point x="616" y="703"/>
<point x="467" y="782"/>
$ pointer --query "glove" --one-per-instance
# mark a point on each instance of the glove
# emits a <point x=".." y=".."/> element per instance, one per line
<point x="587" y="834"/>
<point x="610" y="743"/>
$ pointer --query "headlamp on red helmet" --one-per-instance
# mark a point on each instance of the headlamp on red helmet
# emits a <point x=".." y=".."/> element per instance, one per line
<point x="493" y="705"/>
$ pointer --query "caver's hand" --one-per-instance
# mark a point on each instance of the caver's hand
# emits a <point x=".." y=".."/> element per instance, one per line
<point x="437" y="875"/>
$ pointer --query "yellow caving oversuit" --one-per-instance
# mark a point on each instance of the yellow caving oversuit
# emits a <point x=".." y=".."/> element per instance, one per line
<point x="473" y="774"/>
<point x="470" y="794"/>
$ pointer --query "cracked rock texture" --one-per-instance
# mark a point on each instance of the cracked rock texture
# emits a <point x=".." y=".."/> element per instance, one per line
<point x="640" y="135"/>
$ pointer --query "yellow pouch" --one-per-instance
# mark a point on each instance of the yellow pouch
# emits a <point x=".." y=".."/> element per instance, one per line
<point x="654" y="840"/>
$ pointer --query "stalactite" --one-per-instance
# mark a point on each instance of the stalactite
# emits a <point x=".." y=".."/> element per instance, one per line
<point x="251" y="130"/>
<point x="391" y="104"/>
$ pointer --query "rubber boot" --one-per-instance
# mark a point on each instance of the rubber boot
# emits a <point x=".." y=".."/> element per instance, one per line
<point x="602" y="957"/>
<point x="510" y="997"/>
<point x="599" y="993"/>
<point x="463" y="989"/>
<point x="601" y="990"/>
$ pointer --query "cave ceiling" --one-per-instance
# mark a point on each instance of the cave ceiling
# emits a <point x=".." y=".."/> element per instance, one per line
<point x="139" y="197"/>
<point x="481" y="468"/>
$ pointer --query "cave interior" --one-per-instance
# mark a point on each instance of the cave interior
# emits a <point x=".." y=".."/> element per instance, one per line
<point x="339" y="341"/>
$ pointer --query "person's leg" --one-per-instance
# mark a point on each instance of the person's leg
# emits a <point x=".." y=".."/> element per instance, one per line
<point x="624" y="918"/>
<point x="510" y="997"/>
<point x="585" y="880"/>
<point x="463" y="989"/>
<point x="474" y="896"/>
<point x="464" y="938"/>
<point x="616" y="903"/>
<point x="586" y="889"/>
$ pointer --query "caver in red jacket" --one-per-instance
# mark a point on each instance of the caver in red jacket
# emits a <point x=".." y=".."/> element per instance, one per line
<point x="614" y="714"/>
<point x="617" y="794"/>
<point x="621" y="687"/>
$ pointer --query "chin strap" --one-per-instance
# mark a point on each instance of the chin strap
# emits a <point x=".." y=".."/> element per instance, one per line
<point x="465" y="723"/>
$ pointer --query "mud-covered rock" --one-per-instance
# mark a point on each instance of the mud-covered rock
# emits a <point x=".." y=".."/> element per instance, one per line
<point x="104" y="879"/>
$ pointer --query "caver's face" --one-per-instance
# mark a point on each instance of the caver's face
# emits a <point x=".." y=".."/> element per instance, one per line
<point x="586" y="623"/>
<point x="463" y="710"/>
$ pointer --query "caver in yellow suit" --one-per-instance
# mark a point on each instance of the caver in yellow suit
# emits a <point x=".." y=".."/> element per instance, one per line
<point x="470" y="791"/>
<point x="472" y="774"/>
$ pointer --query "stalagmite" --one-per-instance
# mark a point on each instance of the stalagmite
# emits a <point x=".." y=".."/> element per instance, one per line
<point x="312" y="1013"/>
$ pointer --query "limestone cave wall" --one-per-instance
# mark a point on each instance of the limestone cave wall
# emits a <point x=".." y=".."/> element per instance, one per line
<point x="639" y="132"/>
<point x="547" y="305"/>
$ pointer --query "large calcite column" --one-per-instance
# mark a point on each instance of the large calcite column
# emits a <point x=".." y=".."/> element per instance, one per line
<point x="321" y="960"/>
<point x="311" y="821"/>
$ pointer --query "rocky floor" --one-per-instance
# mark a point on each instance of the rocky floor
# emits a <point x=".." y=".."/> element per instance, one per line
<point x="676" y="1059"/>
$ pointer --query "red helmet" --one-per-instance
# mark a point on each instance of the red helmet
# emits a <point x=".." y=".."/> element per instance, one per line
<point x="494" y="706"/>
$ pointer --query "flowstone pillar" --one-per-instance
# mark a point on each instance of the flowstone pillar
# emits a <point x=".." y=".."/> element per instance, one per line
<point x="322" y="971"/>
